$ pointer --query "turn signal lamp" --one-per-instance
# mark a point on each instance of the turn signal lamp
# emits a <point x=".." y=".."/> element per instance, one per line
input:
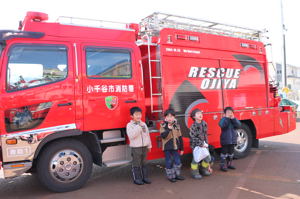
<point x="11" y="141"/>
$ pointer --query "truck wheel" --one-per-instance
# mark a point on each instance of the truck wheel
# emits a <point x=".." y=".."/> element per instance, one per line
<point x="64" y="165"/>
<point x="244" y="142"/>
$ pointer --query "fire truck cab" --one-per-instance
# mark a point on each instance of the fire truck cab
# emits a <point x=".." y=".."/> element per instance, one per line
<point x="66" y="90"/>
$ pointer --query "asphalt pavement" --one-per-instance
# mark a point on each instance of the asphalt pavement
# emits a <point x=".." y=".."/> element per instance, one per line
<point x="271" y="171"/>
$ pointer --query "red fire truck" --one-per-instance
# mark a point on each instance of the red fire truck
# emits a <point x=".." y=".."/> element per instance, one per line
<point x="66" y="89"/>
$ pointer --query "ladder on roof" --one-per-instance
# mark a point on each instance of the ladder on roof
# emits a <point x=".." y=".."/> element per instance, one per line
<point x="157" y="77"/>
<point x="154" y="23"/>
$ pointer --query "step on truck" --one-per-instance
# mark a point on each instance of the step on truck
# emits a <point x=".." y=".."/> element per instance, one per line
<point x="66" y="88"/>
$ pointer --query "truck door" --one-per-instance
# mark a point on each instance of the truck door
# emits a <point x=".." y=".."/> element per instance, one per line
<point x="37" y="88"/>
<point x="197" y="86"/>
<point x="110" y="85"/>
<point x="207" y="80"/>
<point x="245" y="89"/>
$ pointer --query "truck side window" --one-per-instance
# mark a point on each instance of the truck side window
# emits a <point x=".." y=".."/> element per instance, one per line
<point x="1" y="48"/>
<point x="35" y="65"/>
<point x="108" y="63"/>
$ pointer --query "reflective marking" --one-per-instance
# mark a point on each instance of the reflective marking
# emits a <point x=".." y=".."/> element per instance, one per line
<point x="267" y="112"/>
<point x="49" y="129"/>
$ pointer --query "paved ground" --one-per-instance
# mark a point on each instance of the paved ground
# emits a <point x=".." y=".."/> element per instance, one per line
<point x="272" y="171"/>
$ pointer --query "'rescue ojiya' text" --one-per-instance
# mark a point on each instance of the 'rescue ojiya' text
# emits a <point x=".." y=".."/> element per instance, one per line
<point x="215" y="78"/>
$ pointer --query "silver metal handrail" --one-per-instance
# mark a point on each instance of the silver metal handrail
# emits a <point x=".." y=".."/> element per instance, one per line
<point x="157" y="21"/>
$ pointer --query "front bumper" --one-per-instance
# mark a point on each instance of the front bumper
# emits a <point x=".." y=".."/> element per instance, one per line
<point x="18" y="158"/>
<point x="16" y="169"/>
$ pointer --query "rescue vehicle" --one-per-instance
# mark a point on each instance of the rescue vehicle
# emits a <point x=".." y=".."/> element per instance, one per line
<point x="66" y="88"/>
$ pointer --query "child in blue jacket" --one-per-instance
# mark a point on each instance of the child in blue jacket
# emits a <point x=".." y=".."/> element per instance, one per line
<point x="228" y="125"/>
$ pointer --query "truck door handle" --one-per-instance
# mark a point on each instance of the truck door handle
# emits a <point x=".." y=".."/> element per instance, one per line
<point x="130" y="101"/>
<point x="65" y="104"/>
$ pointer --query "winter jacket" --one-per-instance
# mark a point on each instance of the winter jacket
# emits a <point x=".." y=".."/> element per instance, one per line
<point x="228" y="128"/>
<point x="198" y="134"/>
<point x="171" y="138"/>
<point x="138" y="136"/>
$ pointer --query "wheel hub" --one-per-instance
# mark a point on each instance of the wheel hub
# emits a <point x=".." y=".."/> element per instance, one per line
<point x="242" y="140"/>
<point x="66" y="165"/>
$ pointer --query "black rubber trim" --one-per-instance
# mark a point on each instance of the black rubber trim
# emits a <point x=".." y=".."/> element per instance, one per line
<point x="65" y="104"/>
<point x="11" y="34"/>
<point x="130" y="101"/>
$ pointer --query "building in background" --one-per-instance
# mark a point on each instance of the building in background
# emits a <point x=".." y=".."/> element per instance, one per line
<point x="293" y="80"/>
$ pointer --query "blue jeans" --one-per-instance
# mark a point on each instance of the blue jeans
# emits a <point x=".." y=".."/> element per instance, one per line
<point x="172" y="157"/>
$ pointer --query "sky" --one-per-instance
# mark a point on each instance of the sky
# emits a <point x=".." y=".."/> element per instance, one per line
<point x="257" y="14"/>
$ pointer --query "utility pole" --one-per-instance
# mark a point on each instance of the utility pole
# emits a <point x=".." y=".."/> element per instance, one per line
<point x="284" y="79"/>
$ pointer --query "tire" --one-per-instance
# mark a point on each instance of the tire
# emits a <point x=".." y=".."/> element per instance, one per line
<point x="64" y="165"/>
<point x="244" y="142"/>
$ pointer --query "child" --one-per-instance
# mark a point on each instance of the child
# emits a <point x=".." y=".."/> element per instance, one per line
<point x="228" y="125"/>
<point x="198" y="137"/>
<point x="140" y="143"/>
<point x="172" y="143"/>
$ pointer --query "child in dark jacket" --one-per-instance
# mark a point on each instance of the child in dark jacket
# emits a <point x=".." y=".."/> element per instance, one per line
<point x="172" y="143"/>
<point x="228" y="125"/>
<point x="198" y="137"/>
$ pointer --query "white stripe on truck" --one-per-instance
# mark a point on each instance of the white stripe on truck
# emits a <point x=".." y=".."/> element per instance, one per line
<point x="43" y="130"/>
